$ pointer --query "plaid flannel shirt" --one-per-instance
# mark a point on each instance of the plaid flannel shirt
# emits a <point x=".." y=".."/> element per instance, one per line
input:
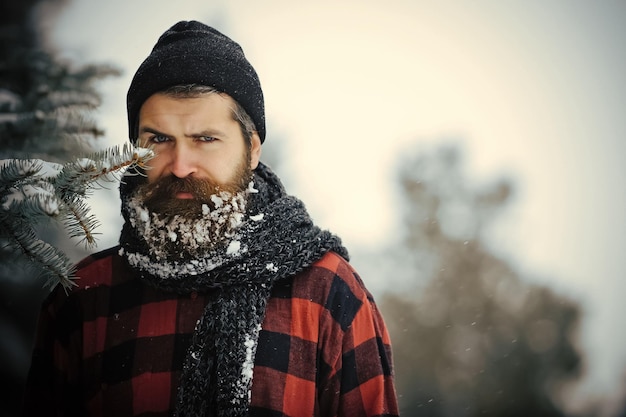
<point x="115" y="347"/>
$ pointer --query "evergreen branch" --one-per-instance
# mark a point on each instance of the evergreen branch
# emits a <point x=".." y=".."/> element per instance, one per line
<point x="54" y="264"/>
<point x="32" y="189"/>
<point x="79" y="223"/>
<point x="81" y="174"/>
<point x="15" y="171"/>
<point x="30" y="202"/>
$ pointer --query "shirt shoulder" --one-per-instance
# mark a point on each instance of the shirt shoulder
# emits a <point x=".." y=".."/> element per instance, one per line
<point x="96" y="269"/>
<point x="330" y="278"/>
<point x="330" y="290"/>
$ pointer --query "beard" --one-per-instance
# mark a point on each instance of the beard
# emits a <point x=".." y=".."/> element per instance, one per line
<point x="159" y="196"/>
<point x="178" y="229"/>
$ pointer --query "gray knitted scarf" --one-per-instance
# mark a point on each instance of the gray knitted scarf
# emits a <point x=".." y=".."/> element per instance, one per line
<point x="277" y="239"/>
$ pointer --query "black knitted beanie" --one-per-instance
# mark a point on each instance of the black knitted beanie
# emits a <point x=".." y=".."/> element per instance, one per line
<point x="191" y="52"/>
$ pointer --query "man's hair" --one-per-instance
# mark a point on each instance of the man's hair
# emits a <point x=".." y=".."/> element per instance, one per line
<point x="238" y="113"/>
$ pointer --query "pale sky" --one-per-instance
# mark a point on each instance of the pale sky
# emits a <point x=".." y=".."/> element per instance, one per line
<point x="531" y="90"/>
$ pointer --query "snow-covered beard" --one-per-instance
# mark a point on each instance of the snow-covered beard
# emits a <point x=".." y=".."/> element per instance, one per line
<point x="209" y="220"/>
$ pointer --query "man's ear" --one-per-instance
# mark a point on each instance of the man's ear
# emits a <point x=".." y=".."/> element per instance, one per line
<point x="255" y="150"/>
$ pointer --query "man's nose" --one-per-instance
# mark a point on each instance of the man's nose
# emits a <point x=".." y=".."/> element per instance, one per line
<point x="183" y="162"/>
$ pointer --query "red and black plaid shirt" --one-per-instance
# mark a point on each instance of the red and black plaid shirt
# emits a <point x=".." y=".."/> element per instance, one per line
<point x="115" y="347"/>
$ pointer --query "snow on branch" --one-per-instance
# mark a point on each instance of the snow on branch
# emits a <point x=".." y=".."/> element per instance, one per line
<point x="32" y="191"/>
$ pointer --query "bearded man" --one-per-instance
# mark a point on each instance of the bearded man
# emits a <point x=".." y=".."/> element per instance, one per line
<point x="223" y="298"/>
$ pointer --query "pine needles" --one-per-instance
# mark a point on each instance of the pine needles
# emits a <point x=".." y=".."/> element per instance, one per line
<point x="33" y="191"/>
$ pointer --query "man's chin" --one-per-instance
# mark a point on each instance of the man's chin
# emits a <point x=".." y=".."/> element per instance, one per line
<point x="186" y="208"/>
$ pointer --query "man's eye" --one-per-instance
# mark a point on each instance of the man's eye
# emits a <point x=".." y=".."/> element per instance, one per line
<point x="159" y="139"/>
<point x="206" y="138"/>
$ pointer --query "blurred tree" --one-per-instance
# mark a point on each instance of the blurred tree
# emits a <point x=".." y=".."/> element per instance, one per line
<point x="44" y="103"/>
<point x="44" y="113"/>
<point x="476" y="339"/>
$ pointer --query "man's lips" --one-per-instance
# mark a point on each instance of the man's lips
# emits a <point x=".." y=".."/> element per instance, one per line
<point x="182" y="195"/>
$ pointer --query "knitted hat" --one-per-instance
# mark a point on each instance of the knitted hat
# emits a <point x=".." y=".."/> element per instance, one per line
<point x="191" y="52"/>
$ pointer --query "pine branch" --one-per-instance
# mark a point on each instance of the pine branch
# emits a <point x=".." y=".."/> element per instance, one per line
<point x="14" y="171"/>
<point x="82" y="174"/>
<point x="33" y="190"/>
<point x="32" y="200"/>
<point x="54" y="265"/>
<point x="79" y="223"/>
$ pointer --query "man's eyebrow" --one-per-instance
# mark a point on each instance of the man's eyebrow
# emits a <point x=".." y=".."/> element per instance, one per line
<point x="207" y="132"/>
<point x="151" y="130"/>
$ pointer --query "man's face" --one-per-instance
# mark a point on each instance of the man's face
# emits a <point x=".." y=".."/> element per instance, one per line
<point x="199" y="148"/>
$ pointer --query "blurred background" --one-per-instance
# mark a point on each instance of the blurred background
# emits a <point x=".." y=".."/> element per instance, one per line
<point x="468" y="153"/>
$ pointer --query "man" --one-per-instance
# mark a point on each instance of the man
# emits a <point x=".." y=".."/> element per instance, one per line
<point x="223" y="298"/>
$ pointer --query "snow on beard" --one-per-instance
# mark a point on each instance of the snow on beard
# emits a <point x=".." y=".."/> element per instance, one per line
<point x="186" y="228"/>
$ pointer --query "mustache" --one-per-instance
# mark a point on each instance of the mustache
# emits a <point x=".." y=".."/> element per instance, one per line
<point x="160" y="196"/>
<point x="167" y="187"/>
